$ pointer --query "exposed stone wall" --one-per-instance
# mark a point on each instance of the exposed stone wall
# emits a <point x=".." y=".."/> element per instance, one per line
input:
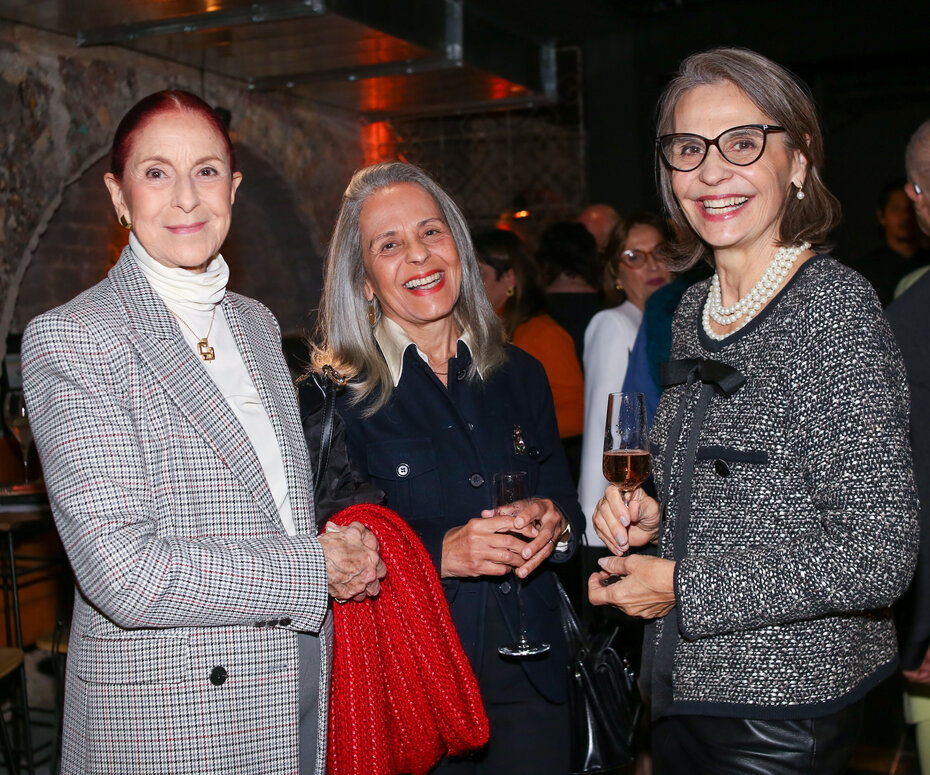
<point x="59" y="106"/>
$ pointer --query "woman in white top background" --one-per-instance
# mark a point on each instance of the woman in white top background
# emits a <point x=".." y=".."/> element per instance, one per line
<point x="634" y="269"/>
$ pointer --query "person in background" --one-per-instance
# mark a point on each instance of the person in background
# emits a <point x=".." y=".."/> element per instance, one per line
<point x="435" y="405"/>
<point x="653" y="342"/>
<point x="600" y="220"/>
<point x="769" y="600"/>
<point x="634" y="270"/>
<point x="179" y="480"/>
<point x="909" y="316"/>
<point x="569" y="266"/>
<point x="510" y="279"/>
<point x="901" y="252"/>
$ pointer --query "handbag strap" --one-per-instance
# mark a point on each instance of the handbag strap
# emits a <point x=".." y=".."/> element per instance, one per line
<point x="328" y="382"/>
<point x="574" y="633"/>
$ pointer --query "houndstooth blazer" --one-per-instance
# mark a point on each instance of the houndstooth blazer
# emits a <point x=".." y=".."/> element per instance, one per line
<point x="183" y="654"/>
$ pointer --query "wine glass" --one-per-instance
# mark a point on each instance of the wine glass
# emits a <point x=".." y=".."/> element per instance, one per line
<point x="17" y="420"/>
<point x="509" y="487"/>
<point x="626" y="442"/>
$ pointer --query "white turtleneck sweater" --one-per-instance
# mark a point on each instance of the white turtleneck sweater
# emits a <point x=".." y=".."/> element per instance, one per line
<point x="192" y="299"/>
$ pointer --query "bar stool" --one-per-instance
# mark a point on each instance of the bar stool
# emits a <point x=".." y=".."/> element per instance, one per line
<point x="11" y="659"/>
<point x="14" y="567"/>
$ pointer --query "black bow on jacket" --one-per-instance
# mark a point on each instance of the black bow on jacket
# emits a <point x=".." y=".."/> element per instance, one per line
<point x="725" y="379"/>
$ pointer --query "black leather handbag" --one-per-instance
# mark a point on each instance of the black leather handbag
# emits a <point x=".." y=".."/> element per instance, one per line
<point x="329" y="383"/>
<point x="604" y="699"/>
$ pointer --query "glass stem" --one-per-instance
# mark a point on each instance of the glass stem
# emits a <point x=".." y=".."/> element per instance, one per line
<point x="521" y="611"/>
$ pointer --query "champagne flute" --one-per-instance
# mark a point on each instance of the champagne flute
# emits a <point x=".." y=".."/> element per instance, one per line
<point x="510" y="487"/>
<point x="626" y="442"/>
<point x="17" y="420"/>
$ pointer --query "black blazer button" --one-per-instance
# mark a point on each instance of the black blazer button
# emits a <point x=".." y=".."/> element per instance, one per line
<point x="721" y="467"/>
<point x="476" y="480"/>
<point x="534" y="452"/>
<point x="272" y="622"/>
<point x="285" y="622"/>
<point x="505" y="587"/>
<point x="461" y="374"/>
<point x="218" y="676"/>
<point x="259" y="624"/>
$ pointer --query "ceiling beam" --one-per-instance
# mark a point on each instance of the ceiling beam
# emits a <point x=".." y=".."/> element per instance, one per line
<point x="209" y="20"/>
<point x="419" y="26"/>
<point x="447" y="27"/>
<point x="358" y="73"/>
<point x="518" y="102"/>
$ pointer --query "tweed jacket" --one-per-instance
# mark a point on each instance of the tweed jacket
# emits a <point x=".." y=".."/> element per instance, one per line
<point x="183" y="655"/>
<point x="790" y="505"/>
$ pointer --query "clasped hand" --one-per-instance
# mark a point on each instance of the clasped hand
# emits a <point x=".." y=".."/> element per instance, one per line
<point x="517" y="537"/>
<point x="354" y="568"/>
<point x="646" y="585"/>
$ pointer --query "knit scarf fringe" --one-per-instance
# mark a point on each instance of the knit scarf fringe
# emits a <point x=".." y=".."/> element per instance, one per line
<point x="403" y="691"/>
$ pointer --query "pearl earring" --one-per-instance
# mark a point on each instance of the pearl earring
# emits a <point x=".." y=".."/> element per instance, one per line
<point x="800" y="193"/>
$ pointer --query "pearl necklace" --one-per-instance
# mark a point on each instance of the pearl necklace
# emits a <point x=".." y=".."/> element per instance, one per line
<point x="747" y="307"/>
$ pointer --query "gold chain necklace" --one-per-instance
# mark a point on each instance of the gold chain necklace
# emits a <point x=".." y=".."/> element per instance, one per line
<point x="203" y="346"/>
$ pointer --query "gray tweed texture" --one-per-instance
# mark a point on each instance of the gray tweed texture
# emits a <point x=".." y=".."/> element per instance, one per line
<point x="803" y="528"/>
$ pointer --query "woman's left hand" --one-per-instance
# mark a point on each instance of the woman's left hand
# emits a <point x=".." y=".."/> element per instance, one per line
<point x="539" y="520"/>
<point x="646" y="588"/>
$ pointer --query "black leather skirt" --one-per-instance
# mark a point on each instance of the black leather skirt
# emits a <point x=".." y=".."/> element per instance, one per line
<point x="710" y="745"/>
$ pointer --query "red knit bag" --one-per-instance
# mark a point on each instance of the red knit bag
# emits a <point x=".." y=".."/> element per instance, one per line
<point x="403" y="691"/>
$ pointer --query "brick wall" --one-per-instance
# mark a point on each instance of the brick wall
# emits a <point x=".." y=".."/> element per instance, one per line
<point x="59" y="106"/>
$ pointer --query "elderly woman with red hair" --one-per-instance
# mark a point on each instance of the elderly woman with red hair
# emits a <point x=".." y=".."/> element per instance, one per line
<point x="179" y="480"/>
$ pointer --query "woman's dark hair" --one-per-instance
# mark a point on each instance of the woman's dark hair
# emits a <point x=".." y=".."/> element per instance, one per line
<point x="788" y="103"/>
<point x="616" y="244"/>
<point x="154" y="105"/>
<point x="502" y="250"/>
<point x="567" y="247"/>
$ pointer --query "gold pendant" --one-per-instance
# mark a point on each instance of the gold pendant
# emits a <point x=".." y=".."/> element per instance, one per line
<point x="206" y="352"/>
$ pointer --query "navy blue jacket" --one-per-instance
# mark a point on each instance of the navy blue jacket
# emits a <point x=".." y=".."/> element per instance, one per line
<point x="909" y="316"/>
<point x="434" y="451"/>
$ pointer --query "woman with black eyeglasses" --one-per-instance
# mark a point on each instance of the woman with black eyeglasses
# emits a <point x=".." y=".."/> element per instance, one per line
<point x="786" y="518"/>
<point x="634" y="269"/>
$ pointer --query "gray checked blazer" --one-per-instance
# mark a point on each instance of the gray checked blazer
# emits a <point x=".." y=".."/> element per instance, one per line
<point x="184" y="642"/>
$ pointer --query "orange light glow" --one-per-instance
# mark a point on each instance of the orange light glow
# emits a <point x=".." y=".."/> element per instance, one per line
<point x="500" y="89"/>
<point x="377" y="143"/>
<point x="522" y="214"/>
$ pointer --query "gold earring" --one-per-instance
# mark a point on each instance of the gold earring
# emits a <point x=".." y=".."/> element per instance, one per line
<point x="511" y="291"/>
<point x="372" y="317"/>
<point x="619" y="286"/>
<point x="124" y="223"/>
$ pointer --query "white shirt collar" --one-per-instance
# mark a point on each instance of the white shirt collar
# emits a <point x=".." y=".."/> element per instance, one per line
<point x="393" y="341"/>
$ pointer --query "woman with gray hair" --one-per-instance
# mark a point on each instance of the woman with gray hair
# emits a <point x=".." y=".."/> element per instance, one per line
<point x="436" y="403"/>
<point x="786" y="515"/>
